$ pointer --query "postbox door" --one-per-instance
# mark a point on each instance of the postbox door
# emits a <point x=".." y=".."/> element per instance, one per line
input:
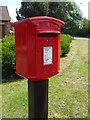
<point x="47" y="54"/>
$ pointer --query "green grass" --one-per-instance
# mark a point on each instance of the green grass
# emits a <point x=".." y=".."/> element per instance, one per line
<point x="14" y="99"/>
<point x="68" y="91"/>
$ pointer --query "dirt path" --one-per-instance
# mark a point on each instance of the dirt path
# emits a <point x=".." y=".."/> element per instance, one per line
<point x="79" y="51"/>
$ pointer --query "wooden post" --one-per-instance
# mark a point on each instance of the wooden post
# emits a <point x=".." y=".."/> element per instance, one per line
<point x="38" y="99"/>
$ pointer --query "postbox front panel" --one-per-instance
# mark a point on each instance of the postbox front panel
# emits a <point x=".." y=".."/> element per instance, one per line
<point x="47" y="55"/>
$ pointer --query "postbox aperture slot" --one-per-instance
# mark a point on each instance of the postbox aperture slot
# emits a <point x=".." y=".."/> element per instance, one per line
<point x="44" y="33"/>
<point x="47" y="35"/>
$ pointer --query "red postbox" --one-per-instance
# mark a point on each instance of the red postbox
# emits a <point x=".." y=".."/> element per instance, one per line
<point x="37" y="47"/>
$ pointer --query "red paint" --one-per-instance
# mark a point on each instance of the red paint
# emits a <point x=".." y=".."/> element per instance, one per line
<point x="31" y="36"/>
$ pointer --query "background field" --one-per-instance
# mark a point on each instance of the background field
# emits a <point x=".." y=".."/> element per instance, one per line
<point x="68" y="91"/>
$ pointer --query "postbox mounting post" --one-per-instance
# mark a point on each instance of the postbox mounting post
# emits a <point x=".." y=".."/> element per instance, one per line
<point x="38" y="99"/>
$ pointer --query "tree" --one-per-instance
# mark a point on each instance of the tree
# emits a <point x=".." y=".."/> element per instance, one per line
<point x="30" y="9"/>
<point x="89" y="28"/>
<point x="85" y="27"/>
<point x="85" y="30"/>
<point x="69" y="12"/>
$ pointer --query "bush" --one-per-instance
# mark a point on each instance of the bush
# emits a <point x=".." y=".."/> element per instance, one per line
<point x="8" y="56"/>
<point x="65" y="44"/>
<point x="60" y="52"/>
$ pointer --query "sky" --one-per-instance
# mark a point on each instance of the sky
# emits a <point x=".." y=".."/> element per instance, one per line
<point x="13" y="4"/>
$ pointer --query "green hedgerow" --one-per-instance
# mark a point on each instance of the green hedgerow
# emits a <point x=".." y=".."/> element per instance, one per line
<point x="8" y="56"/>
<point x="65" y="44"/>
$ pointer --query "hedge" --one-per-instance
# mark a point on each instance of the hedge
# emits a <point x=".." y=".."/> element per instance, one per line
<point x="8" y="54"/>
<point x="65" y="44"/>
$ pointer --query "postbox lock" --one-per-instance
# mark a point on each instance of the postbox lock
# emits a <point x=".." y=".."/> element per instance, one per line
<point x="47" y="40"/>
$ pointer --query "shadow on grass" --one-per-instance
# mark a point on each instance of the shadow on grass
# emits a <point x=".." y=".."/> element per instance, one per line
<point x="11" y="79"/>
<point x="63" y="56"/>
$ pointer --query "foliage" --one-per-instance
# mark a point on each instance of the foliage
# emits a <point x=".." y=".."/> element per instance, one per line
<point x="60" y="51"/>
<point x="89" y="28"/>
<point x="65" y="44"/>
<point x="69" y="12"/>
<point x="85" y="30"/>
<point x="8" y="57"/>
<point x="30" y="9"/>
